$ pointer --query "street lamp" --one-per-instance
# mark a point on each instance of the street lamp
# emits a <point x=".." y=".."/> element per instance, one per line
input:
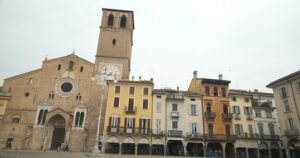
<point x="105" y="75"/>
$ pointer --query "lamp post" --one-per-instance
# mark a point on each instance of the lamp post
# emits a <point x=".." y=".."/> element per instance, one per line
<point x="105" y="76"/>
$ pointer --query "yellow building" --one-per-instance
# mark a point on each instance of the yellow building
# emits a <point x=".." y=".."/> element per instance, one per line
<point x="127" y="125"/>
<point x="3" y="103"/>
<point x="243" y="123"/>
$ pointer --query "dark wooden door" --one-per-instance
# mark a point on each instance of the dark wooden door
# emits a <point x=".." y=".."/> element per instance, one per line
<point x="57" y="138"/>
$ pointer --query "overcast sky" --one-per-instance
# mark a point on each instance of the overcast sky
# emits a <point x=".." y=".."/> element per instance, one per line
<point x="250" y="42"/>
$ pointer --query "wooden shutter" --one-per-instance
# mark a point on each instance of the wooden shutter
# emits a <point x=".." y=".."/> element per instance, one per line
<point x="287" y="123"/>
<point x="280" y="92"/>
<point x="197" y="109"/>
<point x="245" y="111"/>
<point x="125" y="122"/>
<point x="191" y="128"/>
<point x="109" y="121"/>
<point x="238" y="109"/>
<point x="283" y="106"/>
<point x="297" y="86"/>
<point x="140" y="123"/>
<point x="133" y="122"/>
<point x="148" y="123"/>
<point x="198" y="128"/>
<point x="119" y="120"/>
<point x="190" y="109"/>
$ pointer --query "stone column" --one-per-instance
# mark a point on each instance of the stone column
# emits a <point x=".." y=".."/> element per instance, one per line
<point x="223" y="149"/>
<point x="135" y="150"/>
<point x="270" y="153"/>
<point x="280" y="152"/>
<point x="287" y="151"/>
<point x="204" y="149"/>
<point x="120" y="149"/>
<point x="247" y="153"/>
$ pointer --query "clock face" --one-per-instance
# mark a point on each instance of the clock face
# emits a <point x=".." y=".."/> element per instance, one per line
<point x="110" y="72"/>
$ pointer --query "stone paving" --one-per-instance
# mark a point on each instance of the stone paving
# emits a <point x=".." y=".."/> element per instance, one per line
<point x="55" y="154"/>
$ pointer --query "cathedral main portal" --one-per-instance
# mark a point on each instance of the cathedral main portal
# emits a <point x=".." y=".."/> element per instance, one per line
<point x="59" y="132"/>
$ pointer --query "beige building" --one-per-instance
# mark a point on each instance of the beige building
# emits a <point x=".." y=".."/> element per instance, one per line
<point x="287" y="99"/>
<point x="3" y="103"/>
<point x="57" y="106"/>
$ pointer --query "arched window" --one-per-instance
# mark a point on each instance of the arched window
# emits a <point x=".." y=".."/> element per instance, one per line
<point x="210" y="129"/>
<point x="81" y="119"/>
<point x="58" y="67"/>
<point x="208" y="107"/>
<point x="51" y="95"/>
<point x="123" y="21"/>
<point x="77" y="118"/>
<point x="16" y="120"/>
<point x="71" y="64"/>
<point x="114" y="41"/>
<point x="271" y="128"/>
<point x="225" y="109"/>
<point x="215" y="91"/>
<point x="223" y="92"/>
<point x="110" y="21"/>
<point x="207" y="91"/>
<point x="78" y="97"/>
<point x="42" y="116"/>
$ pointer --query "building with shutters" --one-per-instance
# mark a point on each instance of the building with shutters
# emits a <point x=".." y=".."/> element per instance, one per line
<point x="243" y="123"/>
<point x="287" y="100"/>
<point x="128" y="117"/>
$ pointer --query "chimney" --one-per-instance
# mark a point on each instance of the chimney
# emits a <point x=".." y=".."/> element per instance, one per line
<point x="140" y="78"/>
<point x="220" y="77"/>
<point x="151" y="79"/>
<point x="195" y="74"/>
<point x="177" y="88"/>
<point x="132" y="78"/>
<point x="255" y="90"/>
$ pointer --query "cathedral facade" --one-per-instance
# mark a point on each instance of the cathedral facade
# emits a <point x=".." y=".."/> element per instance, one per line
<point x="57" y="106"/>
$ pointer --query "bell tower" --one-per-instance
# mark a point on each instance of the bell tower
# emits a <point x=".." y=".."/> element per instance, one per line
<point x="115" y="40"/>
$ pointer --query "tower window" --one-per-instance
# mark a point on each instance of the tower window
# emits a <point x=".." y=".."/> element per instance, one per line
<point x="51" y="95"/>
<point x="42" y="116"/>
<point x="123" y="21"/>
<point x="215" y="91"/>
<point x="58" y="67"/>
<point x="27" y="94"/>
<point x="110" y="21"/>
<point x="16" y="120"/>
<point x="114" y="41"/>
<point x="71" y="64"/>
<point x="30" y="81"/>
<point x="81" y="69"/>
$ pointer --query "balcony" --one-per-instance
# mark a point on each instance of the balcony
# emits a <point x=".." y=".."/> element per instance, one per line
<point x="158" y="133"/>
<point x="237" y="116"/>
<point x="191" y="135"/>
<point x="268" y="137"/>
<point x="144" y="131"/>
<point x="111" y="129"/>
<point x="210" y="115"/>
<point x="249" y="117"/>
<point x="130" y="109"/>
<point x="175" y="114"/>
<point x="291" y="133"/>
<point x="219" y="137"/>
<point x="227" y="116"/>
<point x="175" y="133"/>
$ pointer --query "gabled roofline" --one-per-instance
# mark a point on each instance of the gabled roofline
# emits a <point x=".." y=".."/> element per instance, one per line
<point x="55" y="59"/>
<point x="287" y="77"/>
<point x="23" y="74"/>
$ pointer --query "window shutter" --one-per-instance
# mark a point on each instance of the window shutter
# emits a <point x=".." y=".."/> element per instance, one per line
<point x="287" y="123"/>
<point x="238" y="110"/>
<point x="245" y="111"/>
<point x="280" y="92"/>
<point x="190" y="109"/>
<point x="287" y="91"/>
<point x="125" y="122"/>
<point x="250" y="110"/>
<point x="297" y="86"/>
<point x="140" y="123"/>
<point x="119" y="121"/>
<point x="293" y="124"/>
<point x="191" y="128"/>
<point x="233" y="109"/>
<point x="283" y="107"/>
<point x="133" y="122"/>
<point x="242" y="130"/>
<point x="197" y="109"/>
<point x="148" y="123"/>
<point x="198" y="128"/>
<point x="109" y="121"/>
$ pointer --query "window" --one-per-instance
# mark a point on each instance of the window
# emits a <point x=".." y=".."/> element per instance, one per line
<point x="130" y="102"/>
<point x="225" y="109"/>
<point x="79" y="118"/>
<point x="110" y="21"/>
<point x="78" y="97"/>
<point x="233" y="98"/>
<point x="174" y="107"/>
<point x="257" y="114"/>
<point x="238" y="129"/>
<point x="250" y="129"/>
<point x="159" y="96"/>
<point x="210" y="129"/>
<point x="208" y="108"/>
<point x="298" y="87"/>
<point x="114" y="41"/>
<point x="194" y="128"/>
<point x="260" y="129"/>
<point x="27" y="94"/>
<point x="116" y="102"/>
<point x="227" y="130"/>
<point x="117" y="89"/>
<point x="215" y="91"/>
<point x="131" y="90"/>
<point x="223" y="92"/>
<point x="236" y="109"/>
<point x="145" y="104"/>
<point x="30" y="81"/>
<point x="247" y="110"/>
<point x="207" y="91"/>
<point x="42" y="116"/>
<point x="123" y="21"/>
<point x="16" y="120"/>
<point x="246" y="99"/>
<point x="290" y="124"/>
<point x="174" y="125"/>
<point x="51" y="95"/>
<point x="283" y="92"/>
<point x="81" y="69"/>
<point x="269" y="114"/>
<point x="158" y="107"/>
<point x="286" y="106"/>
<point x="58" y="67"/>
<point x="114" y="121"/>
<point x="71" y="64"/>
<point x="146" y="91"/>
<point x="193" y="99"/>
<point x="192" y="109"/>
<point x="271" y="128"/>
<point x="129" y="123"/>
<point x="158" y="124"/>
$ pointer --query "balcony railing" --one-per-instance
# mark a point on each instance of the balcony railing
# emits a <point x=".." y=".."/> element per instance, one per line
<point x="247" y="136"/>
<point x="175" y="114"/>
<point x="220" y="137"/>
<point x="291" y="133"/>
<point x="111" y="129"/>
<point x="210" y="115"/>
<point x="128" y="130"/>
<point x="175" y="132"/>
<point x="194" y="135"/>
<point x="130" y="109"/>
<point x="158" y="133"/>
<point x="268" y="137"/>
<point x="227" y="116"/>
<point x="249" y="117"/>
<point x="237" y="116"/>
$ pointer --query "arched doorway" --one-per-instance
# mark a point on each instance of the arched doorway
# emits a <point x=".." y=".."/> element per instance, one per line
<point x="229" y="150"/>
<point x="112" y="145"/>
<point x="214" y="150"/>
<point x="293" y="145"/>
<point x="263" y="150"/>
<point x="128" y="146"/>
<point x="143" y="147"/>
<point x="275" y="150"/>
<point x="59" y="131"/>
<point x="195" y="149"/>
<point x="175" y="147"/>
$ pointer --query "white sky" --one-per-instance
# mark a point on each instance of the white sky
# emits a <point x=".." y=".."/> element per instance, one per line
<point x="250" y="42"/>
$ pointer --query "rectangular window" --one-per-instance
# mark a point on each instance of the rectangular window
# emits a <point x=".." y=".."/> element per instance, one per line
<point x="246" y="99"/>
<point x="116" y="102"/>
<point x="146" y="91"/>
<point x="233" y="98"/>
<point x="131" y="90"/>
<point x="286" y="106"/>
<point x="117" y="89"/>
<point x="283" y="92"/>
<point x="174" y="125"/>
<point x="174" y="107"/>
<point x="250" y="129"/>
<point x="238" y="129"/>
<point x="129" y="122"/>
<point x="247" y="110"/>
<point x="269" y="114"/>
<point x="194" y="128"/>
<point x="114" y="121"/>
<point x="145" y="104"/>
<point x="257" y="114"/>
<point x="158" y="124"/>
<point x="290" y="124"/>
<point x="236" y="109"/>
<point x="193" y="109"/>
<point x="159" y="96"/>
<point x="158" y="107"/>
<point x="298" y="86"/>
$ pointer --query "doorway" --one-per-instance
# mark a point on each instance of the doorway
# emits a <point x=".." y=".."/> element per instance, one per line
<point x="57" y="138"/>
